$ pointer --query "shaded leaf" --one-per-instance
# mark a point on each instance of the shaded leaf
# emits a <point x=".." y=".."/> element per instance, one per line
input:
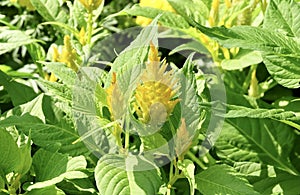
<point x="18" y="92"/>
<point x="222" y="179"/>
<point x="10" y="153"/>
<point x="12" y="39"/>
<point x="50" y="10"/>
<point x="112" y="178"/>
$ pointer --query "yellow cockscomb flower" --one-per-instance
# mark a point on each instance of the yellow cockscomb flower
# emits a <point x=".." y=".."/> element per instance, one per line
<point x="68" y="55"/>
<point x="91" y="5"/>
<point x="159" y="4"/>
<point x="154" y="96"/>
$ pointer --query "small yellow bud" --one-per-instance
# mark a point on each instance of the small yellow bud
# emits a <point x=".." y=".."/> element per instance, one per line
<point x="82" y="37"/>
<point x="214" y="13"/>
<point x="183" y="140"/>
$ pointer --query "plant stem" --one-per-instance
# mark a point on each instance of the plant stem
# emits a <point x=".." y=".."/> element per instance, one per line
<point x="196" y="160"/>
<point x="90" y="27"/>
<point x="127" y="135"/>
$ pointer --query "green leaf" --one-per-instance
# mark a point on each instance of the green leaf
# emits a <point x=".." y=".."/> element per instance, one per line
<point x="195" y="9"/>
<point x="56" y="90"/>
<point x="240" y="111"/>
<point x="50" y="10"/>
<point x="48" y="165"/>
<point x="62" y="132"/>
<point x="188" y="169"/>
<point x="25" y="160"/>
<point x="19" y="93"/>
<point x="284" y="69"/>
<point x="131" y="60"/>
<point x="233" y="146"/>
<point x="10" y="153"/>
<point x="193" y="45"/>
<point x="283" y="15"/>
<point x="12" y="39"/>
<point x="88" y="100"/>
<point x="2" y="183"/>
<point x="67" y="175"/>
<point x="280" y="52"/>
<point x="51" y="190"/>
<point x="112" y="178"/>
<point x="222" y="179"/>
<point x="76" y="14"/>
<point x="269" y="180"/>
<point x="167" y="18"/>
<point x="242" y="60"/>
<point x="61" y="71"/>
<point x="82" y="186"/>
<point x="52" y="167"/>
<point x="189" y="100"/>
<point x="270" y="140"/>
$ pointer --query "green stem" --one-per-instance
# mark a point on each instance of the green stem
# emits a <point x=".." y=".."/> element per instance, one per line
<point x="90" y="27"/>
<point x="196" y="160"/>
<point x="127" y="135"/>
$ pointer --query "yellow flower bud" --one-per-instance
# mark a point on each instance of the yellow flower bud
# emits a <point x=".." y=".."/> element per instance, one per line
<point x="69" y="55"/>
<point x="82" y="37"/>
<point x="91" y="5"/>
<point x="214" y="13"/>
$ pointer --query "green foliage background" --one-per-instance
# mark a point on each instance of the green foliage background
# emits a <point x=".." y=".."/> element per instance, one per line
<point x="257" y="53"/>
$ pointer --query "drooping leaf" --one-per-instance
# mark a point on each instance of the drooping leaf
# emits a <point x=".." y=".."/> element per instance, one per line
<point x="193" y="45"/>
<point x="12" y="39"/>
<point x="19" y="93"/>
<point x="121" y="175"/>
<point x="242" y="60"/>
<point x="222" y="179"/>
<point x="284" y="69"/>
<point x="10" y="153"/>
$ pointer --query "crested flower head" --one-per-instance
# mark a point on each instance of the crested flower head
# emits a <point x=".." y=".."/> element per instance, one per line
<point x="155" y="95"/>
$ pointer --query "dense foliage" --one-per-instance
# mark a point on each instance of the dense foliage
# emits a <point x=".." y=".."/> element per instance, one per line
<point x="150" y="97"/>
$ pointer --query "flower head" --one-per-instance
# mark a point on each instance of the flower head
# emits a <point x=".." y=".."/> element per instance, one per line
<point x="154" y="96"/>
